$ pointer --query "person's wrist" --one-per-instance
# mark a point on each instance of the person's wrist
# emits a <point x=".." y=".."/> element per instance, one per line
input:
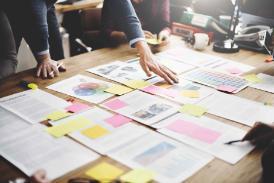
<point x="43" y="58"/>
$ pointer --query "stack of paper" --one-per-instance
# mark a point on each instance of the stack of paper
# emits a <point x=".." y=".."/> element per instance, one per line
<point x="207" y="135"/>
<point x="142" y="107"/>
<point x="169" y="160"/>
<point x="33" y="105"/>
<point x="83" y="87"/>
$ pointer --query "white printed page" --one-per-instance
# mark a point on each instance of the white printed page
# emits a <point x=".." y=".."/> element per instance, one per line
<point x="207" y="135"/>
<point x="142" y="107"/>
<point x="238" y="109"/>
<point x="83" y="87"/>
<point x="267" y="83"/>
<point x="169" y="160"/>
<point x="116" y="133"/>
<point x="32" y="149"/>
<point x="33" y="105"/>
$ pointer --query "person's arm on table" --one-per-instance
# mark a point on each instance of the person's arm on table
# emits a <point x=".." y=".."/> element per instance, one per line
<point x="124" y="14"/>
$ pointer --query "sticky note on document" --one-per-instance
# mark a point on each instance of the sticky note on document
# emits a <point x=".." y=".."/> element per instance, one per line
<point x="193" y="110"/>
<point x="104" y="172"/>
<point x="253" y="78"/>
<point x="56" y="115"/>
<point x="77" y="107"/>
<point x="118" y="90"/>
<point x="137" y="84"/>
<point x="138" y="176"/>
<point x="95" y="132"/>
<point x="118" y="120"/>
<point x="191" y="93"/>
<point x="68" y="127"/>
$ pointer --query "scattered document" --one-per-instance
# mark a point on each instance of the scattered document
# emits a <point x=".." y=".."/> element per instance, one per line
<point x="142" y="107"/>
<point x="31" y="149"/>
<point x="170" y="160"/>
<point x="107" y="130"/>
<point x="238" y="109"/>
<point x="33" y="105"/>
<point x="185" y="92"/>
<point x="83" y="87"/>
<point x="207" y="135"/>
<point x="266" y="84"/>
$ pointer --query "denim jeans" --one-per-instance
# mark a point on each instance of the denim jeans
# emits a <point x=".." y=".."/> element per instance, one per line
<point x="36" y="22"/>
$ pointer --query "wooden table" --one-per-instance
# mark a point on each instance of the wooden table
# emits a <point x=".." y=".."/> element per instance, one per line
<point x="77" y="6"/>
<point x="247" y="170"/>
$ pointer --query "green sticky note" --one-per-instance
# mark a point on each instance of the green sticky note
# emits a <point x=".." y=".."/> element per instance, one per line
<point x="56" y="115"/>
<point x="138" y="176"/>
<point x="253" y="78"/>
<point x="68" y="127"/>
<point x="104" y="172"/>
<point x="118" y="90"/>
<point x="137" y="84"/>
<point x="193" y="110"/>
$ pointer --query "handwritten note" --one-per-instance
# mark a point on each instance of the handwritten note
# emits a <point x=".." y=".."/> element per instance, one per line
<point x="225" y="88"/>
<point x="137" y="84"/>
<point x="104" y="172"/>
<point x="191" y="93"/>
<point x="57" y="115"/>
<point x="115" y="104"/>
<point x="253" y="78"/>
<point x="95" y="132"/>
<point x="77" y="107"/>
<point x="118" y="120"/>
<point x="193" y="110"/>
<point x="138" y="176"/>
<point x="68" y="127"/>
<point x="118" y="90"/>
<point x="194" y="131"/>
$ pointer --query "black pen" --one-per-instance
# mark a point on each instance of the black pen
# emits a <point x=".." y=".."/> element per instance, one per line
<point x="232" y="142"/>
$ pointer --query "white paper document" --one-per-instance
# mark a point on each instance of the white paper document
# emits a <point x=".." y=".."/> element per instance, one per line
<point x="185" y="92"/>
<point x="267" y="83"/>
<point x="116" y="130"/>
<point x="170" y="160"/>
<point x="207" y="135"/>
<point x="33" y="105"/>
<point x="142" y="107"/>
<point x="32" y="148"/>
<point x="121" y="71"/>
<point x="83" y="87"/>
<point x="238" y="109"/>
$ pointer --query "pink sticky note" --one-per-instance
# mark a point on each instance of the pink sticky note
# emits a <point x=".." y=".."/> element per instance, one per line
<point x="226" y="88"/>
<point x="115" y="104"/>
<point x="194" y="131"/>
<point x="118" y="120"/>
<point x="152" y="89"/>
<point x="234" y="70"/>
<point x="77" y="107"/>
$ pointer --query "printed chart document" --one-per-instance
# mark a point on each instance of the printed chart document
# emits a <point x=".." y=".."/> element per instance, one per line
<point x="83" y="87"/>
<point x="170" y="160"/>
<point x="266" y="84"/>
<point x="207" y="135"/>
<point x="142" y="107"/>
<point x="107" y="130"/>
<point x="185" y="92"/>
<point x="238" y="109"/>
<point x="121" y="71"/>
<point x="32" y="148"/>
<point x="33" y="105"/>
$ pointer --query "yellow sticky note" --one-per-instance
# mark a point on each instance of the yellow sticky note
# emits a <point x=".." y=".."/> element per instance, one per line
<point x="94" y="132"/>
<point x="137" y="84"/>
<point x="253" y="78"/>
<point x="164" y="85"/>
<point x="68" y="127"/>
<point x="193" y="110"/>
<point x="138" y="176"/>
<point x="56" y="115"/>
<point x="118" y="90"/>
<point x="104" y="172"/>
<point x="153" y="41"/>
<point x="191" y="93"/>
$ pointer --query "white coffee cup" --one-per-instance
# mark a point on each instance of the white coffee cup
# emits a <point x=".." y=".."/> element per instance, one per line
<point x="201" y="41"/>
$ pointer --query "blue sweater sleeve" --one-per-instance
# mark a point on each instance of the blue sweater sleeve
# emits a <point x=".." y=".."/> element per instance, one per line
<point x="124" y="15"/>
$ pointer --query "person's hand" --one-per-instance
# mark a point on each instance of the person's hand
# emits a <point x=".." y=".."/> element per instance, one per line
<point x="149" y="64"/>
<point x="260" y="135"/>
<point x="148" y="35"/>
<point x="46" y="67"/>
<point x="39" y="177"/>
<point x="164" y="37"/>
